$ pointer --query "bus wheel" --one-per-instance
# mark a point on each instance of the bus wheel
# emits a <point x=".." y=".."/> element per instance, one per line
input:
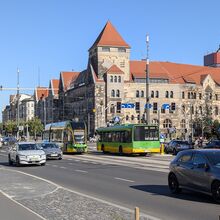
<point x="120" y="150"/>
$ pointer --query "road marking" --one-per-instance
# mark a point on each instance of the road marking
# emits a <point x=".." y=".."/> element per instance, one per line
<point x="69" y="159"/>
<point x="3" y="151"/>
<point x="150" y="217"/>
<point x="77" y="160"/>
<point x="126" y="180"/>
<point x="81" y="171"/>
<point x="63" y="167"/>
<point x="54" y="166"/>
<point x="70" y="163"/>
<point x="3" y="155"/>
<point x="9" y="197"/>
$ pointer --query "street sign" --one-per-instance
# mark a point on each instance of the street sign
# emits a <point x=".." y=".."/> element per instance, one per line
<point x="166" y="106"/>
<point x="127" y="105"/>
<point x="116" y="119"/>
<point x="148" y="106"/>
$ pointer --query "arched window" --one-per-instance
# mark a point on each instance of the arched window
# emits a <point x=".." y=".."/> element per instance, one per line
<point x="167" y="123"/>
<point x="111" y="78"/>
<point x="115" y="79"/>
<point x="142" y="93"/>
<point x="183" y="123"/>
<point x="152" y="94"/>
<point x="216" y="110"/>
<point x="167" y="94"/>
<point x="117" y="93"/>
<point x="192" y="109"/>
<point x="216" y="96"/>
<point x="157" y="94"/>
<point x="137" y="93"/>
<point x="191" y="95"/>
<point x="183" y="95"/>
<point x="171" y="94"/>
<point x="200" y="109"/>
<point x="119" y="79"/>
<point x="112" y="108"/>
<point x="155" y="121"/>
<point x="188" y="95"/>
<point x="194" y="95"/>
<point x="113" y="93"/>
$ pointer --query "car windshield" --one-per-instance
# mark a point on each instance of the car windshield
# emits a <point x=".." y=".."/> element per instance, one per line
<point x="214" y="158"/>
<point x="46" y="146"/>
<point x="28" y="147"/>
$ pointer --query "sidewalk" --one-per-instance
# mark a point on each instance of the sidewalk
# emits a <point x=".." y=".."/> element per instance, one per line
<point x="55" y="203"/>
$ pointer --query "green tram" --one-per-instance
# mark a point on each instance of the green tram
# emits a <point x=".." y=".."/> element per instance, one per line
<point x="71" y="136"/>
<point x="129" y="139"/>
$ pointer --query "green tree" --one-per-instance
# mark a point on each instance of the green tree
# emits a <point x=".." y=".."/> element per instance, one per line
<point x="35" y="127"/>
<point x="10" y="127"/>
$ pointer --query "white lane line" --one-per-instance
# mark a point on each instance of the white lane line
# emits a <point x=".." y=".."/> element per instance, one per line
<point x="69" y="159"/>
<point x="126" y="180"/>
<point x="63" y="167"/>
<point x="54" y="166"/>
<point x="81" y="171"/>
<point x="77" y="160"/>
<point x="70" y="163"/>
<point x="3" y="155"/>
<point x="3" y="151"/>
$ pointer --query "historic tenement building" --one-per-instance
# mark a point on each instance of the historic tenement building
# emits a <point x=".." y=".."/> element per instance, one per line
<point x="111" y="79"/>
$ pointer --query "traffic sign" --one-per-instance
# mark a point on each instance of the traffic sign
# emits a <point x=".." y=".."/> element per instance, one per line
<point x="166" y="106"/>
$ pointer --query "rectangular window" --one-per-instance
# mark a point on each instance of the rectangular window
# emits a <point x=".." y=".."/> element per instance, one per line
<point x="121" y="50"/>
<point x="118" y="107"/>
<point x="154" y="107"/>
<point x="106" y="49"/>
<point x="200" y="95"/>
<point x="183" y="95"/>
<point x="173" y="106"/>
<point x="137" y="107"/>
<point x="145" y="133"/>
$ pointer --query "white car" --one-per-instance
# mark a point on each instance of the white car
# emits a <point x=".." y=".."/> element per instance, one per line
<point x="26" y="153"/>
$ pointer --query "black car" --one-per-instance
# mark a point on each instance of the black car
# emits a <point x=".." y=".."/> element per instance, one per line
<point x="213" y="144"/>
<point x="197" y="170"/>
<point x="177" y="145"/>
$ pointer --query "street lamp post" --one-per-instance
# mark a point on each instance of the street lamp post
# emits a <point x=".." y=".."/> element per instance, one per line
<point x="18" y="103"/>
<point x="147" y="107"/>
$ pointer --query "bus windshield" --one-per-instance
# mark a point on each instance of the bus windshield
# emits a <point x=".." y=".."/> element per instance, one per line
<point x="145" y="133"/>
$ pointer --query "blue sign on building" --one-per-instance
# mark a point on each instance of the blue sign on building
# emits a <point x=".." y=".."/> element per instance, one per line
<point x="148" y="106"/>
<point x="127" y="105"/>
<point x="166" y="106"/>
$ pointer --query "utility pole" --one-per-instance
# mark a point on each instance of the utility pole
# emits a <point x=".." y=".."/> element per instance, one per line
<point x="147" y="109"/>
<point x="18" y="103"/>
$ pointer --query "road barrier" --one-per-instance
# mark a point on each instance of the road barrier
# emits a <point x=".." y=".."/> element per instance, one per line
<point x="162" y="149"/>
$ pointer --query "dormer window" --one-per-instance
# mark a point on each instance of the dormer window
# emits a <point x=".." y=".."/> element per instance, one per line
<point x="106" y="49"/>
<point x="121" y="50"/>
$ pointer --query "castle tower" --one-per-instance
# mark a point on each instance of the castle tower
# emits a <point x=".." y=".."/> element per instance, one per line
<point x="109" y="49"/>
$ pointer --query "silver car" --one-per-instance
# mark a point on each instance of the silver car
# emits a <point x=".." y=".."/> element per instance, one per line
<point x="52" y="150"/>
<point x="197" y="170"/>
<point x="26" y="153"/>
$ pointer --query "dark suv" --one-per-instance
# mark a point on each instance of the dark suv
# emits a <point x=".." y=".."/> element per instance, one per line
<point x="177" y="145"/>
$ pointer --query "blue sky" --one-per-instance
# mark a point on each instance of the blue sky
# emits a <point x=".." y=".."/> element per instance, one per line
<point x="49" y="36"/>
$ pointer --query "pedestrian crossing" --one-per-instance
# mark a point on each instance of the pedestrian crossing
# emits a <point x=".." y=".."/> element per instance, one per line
<point x="154" y="163"/>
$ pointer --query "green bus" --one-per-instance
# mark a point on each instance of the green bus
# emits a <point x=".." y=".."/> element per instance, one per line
<point x="71" y="136"/>
<point x="129" y="139"/>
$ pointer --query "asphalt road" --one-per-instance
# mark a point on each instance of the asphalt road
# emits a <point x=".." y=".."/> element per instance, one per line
<point x="126" y="181"/>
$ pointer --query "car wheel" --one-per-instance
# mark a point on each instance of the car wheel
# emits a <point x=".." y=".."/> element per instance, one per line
<point x="60" y="158"/>
<point x="43" y="164"/>
<point x="173" y="184"/>
<point x="17" y="161"/>
<point x="10" y="162"/>
<point x="216" y="191"/>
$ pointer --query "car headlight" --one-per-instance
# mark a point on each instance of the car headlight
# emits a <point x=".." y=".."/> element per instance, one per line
<point x="43" y="156"/>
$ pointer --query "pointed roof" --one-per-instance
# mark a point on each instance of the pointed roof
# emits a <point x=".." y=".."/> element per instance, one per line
<point x="41" y="93"/>
<point x="114" y="69"/>
<point x="109" y="36"/>
<point x="67" y="78"/>
<point x="55" y="86"/>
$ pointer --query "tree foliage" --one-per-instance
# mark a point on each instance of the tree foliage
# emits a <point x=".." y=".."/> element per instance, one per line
<point x="35" y="127"/>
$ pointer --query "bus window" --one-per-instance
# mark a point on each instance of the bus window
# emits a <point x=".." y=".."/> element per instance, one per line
<point x="142" y="133"/>
<point x="118" y="136"/>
